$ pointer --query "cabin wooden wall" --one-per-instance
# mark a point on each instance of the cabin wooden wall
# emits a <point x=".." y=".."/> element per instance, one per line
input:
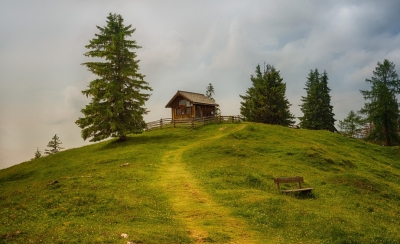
<point x="204" y="111"/>
<point x="182" y="111"/>
<point x="194" y="111"/>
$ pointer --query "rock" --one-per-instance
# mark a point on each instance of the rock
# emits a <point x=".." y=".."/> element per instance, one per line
<point x="125" y="164"/>
<point x="52" y="182"/>
<point x="124" y="235"/>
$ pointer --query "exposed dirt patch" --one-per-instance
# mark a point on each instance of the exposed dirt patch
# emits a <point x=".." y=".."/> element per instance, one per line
<point x="206" y="220"/>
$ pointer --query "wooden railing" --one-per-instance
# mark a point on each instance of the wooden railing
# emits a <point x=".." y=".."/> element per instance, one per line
<point x="161" y="123"/>
<point x="192" y="122"/>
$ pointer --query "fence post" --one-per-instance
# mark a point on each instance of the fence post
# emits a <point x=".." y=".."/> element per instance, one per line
<point x="192" y="122"/>
<point x="161" y="123"/>
<point x="174" y="123"/>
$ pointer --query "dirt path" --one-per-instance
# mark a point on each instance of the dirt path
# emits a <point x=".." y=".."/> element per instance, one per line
<point x="205" y="219"/>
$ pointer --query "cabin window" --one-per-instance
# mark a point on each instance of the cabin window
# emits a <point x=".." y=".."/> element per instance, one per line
<point x="189" y="110"/>
<point x="178" y="111"/>
<point x="182" y="102"/>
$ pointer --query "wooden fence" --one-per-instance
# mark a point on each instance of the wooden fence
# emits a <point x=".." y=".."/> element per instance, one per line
<point x="191" y="122"/>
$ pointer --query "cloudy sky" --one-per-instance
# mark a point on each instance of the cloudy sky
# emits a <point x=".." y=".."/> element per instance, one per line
<point x="185" y="45"/>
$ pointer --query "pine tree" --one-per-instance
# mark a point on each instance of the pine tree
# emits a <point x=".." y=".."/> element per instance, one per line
<point x="352" y="125"/>
<point x="209" y="93"/>
<point x="310" y="119"/>
<point x="54" y="144"/>
<point x="265" y="101"/>
<point x="317" y="110"/>
<point x="117" y="105"/>
<point x="38" y="154"/>
<point x="326" y="112"/>
<point x="382" y="110"/>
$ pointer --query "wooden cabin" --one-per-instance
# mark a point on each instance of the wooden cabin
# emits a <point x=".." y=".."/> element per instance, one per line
<point x="185" y="105"/>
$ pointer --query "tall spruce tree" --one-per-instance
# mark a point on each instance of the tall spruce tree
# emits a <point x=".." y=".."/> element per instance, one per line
<point x="310" y="119"/>
<point x="382" y="110"/>
<point x="327" y="114"/>
<point x="54" y="145"/>
<point x="317" y="110"/>
<point x="265" y="101"/>
<point x="117" y="105"/>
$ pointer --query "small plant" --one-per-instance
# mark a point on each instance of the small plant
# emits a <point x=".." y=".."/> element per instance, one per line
<point x="38" y="154"/>
<point x="209" y="93"/>
<point x="54" y="144"/>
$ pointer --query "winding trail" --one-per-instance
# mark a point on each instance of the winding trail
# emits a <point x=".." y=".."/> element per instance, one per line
<point x="206" y="220"/>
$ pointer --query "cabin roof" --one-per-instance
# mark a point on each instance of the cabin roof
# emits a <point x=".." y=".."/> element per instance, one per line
<point x="195" y="98"/>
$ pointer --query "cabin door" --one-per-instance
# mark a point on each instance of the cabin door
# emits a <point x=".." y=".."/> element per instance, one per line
<point x="199" y="112"/>
<point x="183" y="112"/>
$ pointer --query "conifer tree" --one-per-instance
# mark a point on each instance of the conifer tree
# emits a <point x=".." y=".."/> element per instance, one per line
<point x="352" y="125"/>
<point x="38" y="154"/>
<point x="54" y="145"/>
<point x="310" y="119"/>
<point x="317" y="110"/>
<point x="265" y="101"/>
<point x="209" y="93"/>
<point x="326" y="112"/>
<point x="382" y="110"/>
<point x="117" y="105"/>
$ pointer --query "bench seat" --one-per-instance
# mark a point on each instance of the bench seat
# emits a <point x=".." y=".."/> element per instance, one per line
<point x="298" y="190"/>
<point x="296" y="179"/>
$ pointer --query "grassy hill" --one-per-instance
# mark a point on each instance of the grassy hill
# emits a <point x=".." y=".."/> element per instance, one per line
<point x="212" y="184"/>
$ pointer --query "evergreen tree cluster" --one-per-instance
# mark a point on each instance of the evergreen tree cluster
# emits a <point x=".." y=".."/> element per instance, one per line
<point x="316" y="106"/>
<point x="265" y="101"/>
<point x="382" y="109"/>
<point x="54" y="146"/>
<point x="379" y="120"/>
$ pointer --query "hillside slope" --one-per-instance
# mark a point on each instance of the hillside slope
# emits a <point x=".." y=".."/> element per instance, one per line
<point x="212" y="184"/>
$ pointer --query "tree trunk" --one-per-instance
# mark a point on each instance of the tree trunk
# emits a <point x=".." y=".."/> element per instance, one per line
<point x="122" y="138"/>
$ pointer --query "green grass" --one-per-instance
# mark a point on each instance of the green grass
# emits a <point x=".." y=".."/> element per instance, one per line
<point x="211" y="184"/>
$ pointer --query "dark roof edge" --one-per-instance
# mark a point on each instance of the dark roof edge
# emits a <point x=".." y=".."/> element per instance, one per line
<point x="183" y="95"/>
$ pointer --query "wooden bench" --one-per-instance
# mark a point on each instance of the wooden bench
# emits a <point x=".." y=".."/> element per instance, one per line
<point x="296" y="179"/>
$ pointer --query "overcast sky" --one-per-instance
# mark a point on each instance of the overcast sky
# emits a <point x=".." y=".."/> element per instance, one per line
<point x="185" y="45"/>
